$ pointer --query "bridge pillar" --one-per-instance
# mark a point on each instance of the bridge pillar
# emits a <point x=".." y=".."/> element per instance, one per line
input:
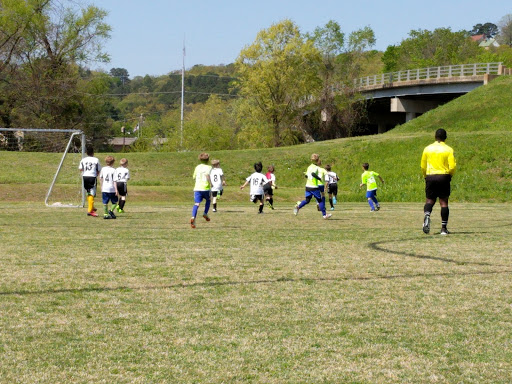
<point x="412" y="107"/>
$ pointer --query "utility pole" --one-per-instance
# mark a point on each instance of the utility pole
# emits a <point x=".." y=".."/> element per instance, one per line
<point x="141" y="119"/>
<point x="182" y="94"/>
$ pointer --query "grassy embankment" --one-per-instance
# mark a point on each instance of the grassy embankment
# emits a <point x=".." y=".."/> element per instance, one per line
<point x="479" y="127"/>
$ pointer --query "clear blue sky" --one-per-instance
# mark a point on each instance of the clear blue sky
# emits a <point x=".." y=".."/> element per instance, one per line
<point x="147" y="36"/>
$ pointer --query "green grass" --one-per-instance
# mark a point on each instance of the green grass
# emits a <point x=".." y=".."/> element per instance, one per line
<point x="273" y="298"/>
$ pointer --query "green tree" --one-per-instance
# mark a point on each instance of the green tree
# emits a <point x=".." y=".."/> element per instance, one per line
<point x="488" y="29"/>
<point x="342" y="61"/>
<point x="275" y="73"/>
<point x="426" y="48"/>
<point x="41" y="86"/>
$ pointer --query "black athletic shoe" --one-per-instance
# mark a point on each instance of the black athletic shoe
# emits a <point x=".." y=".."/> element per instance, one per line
<point x="111" y="214"/>
<point x="426" y="224"/>
<point x="444" y="231"/>
<point x="107" y="217"/>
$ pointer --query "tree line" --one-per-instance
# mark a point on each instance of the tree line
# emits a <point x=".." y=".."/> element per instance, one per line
<point x="286" y="87"/>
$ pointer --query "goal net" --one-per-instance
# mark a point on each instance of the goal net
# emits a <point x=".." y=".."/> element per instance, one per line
<point x="46" y="161"/>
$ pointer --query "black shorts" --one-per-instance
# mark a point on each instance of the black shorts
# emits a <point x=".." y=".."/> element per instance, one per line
<point x="215" y="193"/>
<point x="122" y="189"/>
<point x="332" y="189"/>
<point x="437" y="186"/>
<point x="267" y="189"/>
<point x="255" y="198"/>
<point x="89" y="183"/>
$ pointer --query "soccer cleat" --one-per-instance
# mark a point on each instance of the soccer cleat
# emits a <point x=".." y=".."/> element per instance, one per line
<point x="328" y="215"/>
<point x="444" y="231"/>
<point x="93" y="214"/>
<point x="377" y="208"/>
<point x="334" y="201"/>
<point x="332" y="208"/>
<point x="107" y="217"/>
<point x="111" y="213"/>
<point x="120" y="210"/>
<point x="296" y="209"/>
<point x="192" y="223"/>
<point x="206" y="217"/>
<point x="426" y="224"/>
<point x="214" y="210"/>
<point x="260" y="212"/>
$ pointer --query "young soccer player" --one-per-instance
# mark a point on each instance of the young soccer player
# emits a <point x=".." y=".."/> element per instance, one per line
<point x="312" y="189"/>
<point x="108" y="189"/>
<point x="368" y="178"/>
<point x="257" y="180"/>
<point x="90" y="168"/>
<point x="331" y="179"/>
<point x="121" y="177"/>
<point x="322" y="172"/>
<point x="218" y="182"/>
<point x="268" y="188"/>
<point x="202" y="188"/>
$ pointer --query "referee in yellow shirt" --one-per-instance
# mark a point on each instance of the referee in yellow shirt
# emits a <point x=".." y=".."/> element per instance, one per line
<point x="438" y="167"/>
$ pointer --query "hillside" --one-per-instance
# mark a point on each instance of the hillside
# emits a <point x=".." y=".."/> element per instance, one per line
<point x="479" y="127"/>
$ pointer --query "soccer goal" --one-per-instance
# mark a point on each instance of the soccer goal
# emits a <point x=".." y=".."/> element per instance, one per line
<point x="54" y="154"/>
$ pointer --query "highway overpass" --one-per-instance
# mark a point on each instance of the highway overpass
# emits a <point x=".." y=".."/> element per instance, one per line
<point x="397" y="97"/>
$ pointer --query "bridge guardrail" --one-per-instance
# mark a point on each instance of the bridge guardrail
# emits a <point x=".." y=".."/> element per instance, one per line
<point x="459" y="70"/>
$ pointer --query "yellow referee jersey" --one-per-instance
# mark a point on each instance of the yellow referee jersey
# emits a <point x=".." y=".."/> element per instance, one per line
<point x="438" y="159"/>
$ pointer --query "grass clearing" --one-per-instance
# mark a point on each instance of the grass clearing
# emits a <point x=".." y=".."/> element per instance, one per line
<point x="268" y="298"/>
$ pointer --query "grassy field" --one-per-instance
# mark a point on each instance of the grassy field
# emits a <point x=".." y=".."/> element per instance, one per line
<point x="274" y="298"/>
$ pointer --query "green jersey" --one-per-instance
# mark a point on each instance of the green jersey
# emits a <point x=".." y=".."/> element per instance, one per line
<point x="368" y="178"/>
<point x="201" y="175"/>
<point x="312" y="182"/>
<point x="321" y="173"/>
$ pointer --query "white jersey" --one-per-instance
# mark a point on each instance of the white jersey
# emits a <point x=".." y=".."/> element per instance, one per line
<point x="257" y="180"/>
<point x="331" y="178"/>
<point x="122" y="175"/>
<point x="107" y="179"/>
<point x="216" y="178"/>
<point x="90" y="166"/>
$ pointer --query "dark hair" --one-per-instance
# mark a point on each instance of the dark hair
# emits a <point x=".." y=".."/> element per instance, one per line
<point x="366" y="166"/>
<point x="258" y="166"/>
<point x="328" y="167"/>
<point x="89" y="149"/>
<point x="440" y="134"/>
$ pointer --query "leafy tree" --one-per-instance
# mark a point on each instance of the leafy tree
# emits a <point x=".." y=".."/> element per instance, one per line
<point x="341" y="62"/>
<point x="488" y="29"/>
<point x="276" y="72"/>
<point x="505" y="35"/>
<point x="426" y="48"/>
<point x="41" y="86"/>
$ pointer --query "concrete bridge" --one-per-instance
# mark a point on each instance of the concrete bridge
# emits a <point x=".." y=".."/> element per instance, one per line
<point x="397" y="97"/>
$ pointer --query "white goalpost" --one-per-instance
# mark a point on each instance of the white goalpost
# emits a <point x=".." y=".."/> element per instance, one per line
<point x="65" y="188"/>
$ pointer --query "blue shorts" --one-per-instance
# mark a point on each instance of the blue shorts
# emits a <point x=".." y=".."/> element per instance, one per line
<point x="109" y="196"/>
<point x="315" y="193"/>
<point x="201" y="195"/>
<point x="371" y="194"/>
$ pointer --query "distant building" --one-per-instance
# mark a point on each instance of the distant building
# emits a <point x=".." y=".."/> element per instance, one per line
<point x="118" y="143"/>
<point x="484" y="41"/>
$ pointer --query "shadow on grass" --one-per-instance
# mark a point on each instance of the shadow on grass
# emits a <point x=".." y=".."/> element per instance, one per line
<point x="377" y="246"/>
<point x="306" y="280"/>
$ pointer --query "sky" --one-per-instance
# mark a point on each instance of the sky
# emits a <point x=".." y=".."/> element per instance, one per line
<point x="148" y="36"/>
